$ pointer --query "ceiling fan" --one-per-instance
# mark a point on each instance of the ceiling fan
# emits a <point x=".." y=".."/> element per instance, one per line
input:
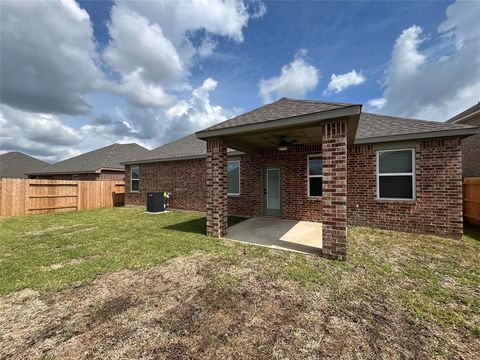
<point x="283" y="144"/>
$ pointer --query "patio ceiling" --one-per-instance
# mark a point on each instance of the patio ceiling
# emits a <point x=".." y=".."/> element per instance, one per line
<point x="306" y="129"/>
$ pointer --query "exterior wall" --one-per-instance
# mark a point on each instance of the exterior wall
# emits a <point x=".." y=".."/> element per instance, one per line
<point x="293" y="162"/>
<point x="111" y="175"/>
<point x="184" y="179"/>
<point x="437" y="208"/>
<point x="438" y="205"/>
<point x="471" y="149"/>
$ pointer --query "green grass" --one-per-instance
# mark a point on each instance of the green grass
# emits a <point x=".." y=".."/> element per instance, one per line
<point x="435" y="279"/>
<point x="47" y="252"/>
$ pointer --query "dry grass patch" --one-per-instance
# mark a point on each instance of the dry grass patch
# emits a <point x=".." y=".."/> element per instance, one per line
<point x="169" y="292"/>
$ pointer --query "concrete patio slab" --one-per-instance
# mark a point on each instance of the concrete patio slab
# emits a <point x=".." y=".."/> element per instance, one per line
<point x="300" y="236"/>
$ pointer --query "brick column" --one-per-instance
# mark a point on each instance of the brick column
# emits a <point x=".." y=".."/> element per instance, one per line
<point x="334" y="197"/>
<point x="216" y="187"/>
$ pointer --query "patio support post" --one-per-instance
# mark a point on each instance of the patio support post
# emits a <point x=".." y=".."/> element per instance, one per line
<point x="216" y="187"/>
<point x="334" y="189"/>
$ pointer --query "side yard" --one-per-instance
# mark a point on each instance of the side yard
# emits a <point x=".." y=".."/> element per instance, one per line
<point x="119" y="283"/>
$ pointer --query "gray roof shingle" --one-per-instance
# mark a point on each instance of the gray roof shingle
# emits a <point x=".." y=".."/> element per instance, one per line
<point x="185" y="147"/>
<point x="280" y="109"/>
<point x="16" y="164"/>
<point x="109" y="157"/>
<point x="374" y="125"/>
<point x="370" y="126"/>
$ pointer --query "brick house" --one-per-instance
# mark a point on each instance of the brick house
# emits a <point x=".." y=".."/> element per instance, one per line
<point x="314" y="161"/>
<point x="100" y="164"/>
<point x="471" y="144"/>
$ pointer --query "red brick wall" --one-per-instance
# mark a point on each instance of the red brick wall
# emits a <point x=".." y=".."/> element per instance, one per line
<point x="111" y="175"/>
<point x="438" y="205"/>
<point x="293" y="162"/>
<point x="184" y="179"/>
<point x="437" y="208"/>
<point x="216" y="176"/>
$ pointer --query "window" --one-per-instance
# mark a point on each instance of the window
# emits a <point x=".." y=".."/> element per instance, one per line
<point x="134" y="178"/>
<point x="315" y="176"/>
<point x="75" y="177"/>
<point x="395" y="174"/>
<point x="233" y="170"/>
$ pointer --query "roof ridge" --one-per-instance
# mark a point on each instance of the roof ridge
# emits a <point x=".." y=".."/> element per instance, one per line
<point x="318" y="101"/>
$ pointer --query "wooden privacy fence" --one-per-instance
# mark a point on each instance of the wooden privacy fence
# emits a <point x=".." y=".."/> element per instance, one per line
<point x="471" y="200"/>
<point x="25" y="196"/>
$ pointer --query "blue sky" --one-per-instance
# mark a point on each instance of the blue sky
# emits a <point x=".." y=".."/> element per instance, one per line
<point x="81" y="75"/>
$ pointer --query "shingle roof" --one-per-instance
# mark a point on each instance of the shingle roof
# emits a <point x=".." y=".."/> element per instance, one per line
<point x="108" y="157"/>
<point x="370" y="126"/>
<point x="185" y="147"/>
<point x="280" y="109"/>
<point x="465" y="113"/>
<point x="16" y="164"/>
<point x="374" y="125"/>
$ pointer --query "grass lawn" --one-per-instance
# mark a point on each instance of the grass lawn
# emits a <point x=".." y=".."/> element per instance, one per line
<point x="121" y="284"/>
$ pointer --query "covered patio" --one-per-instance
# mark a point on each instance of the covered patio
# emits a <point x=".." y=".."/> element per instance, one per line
<point x="275" y="165"/>
<point x="291" y="235"/>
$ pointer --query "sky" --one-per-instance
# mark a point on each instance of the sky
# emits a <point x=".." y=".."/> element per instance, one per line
<point x="80" y="75"/>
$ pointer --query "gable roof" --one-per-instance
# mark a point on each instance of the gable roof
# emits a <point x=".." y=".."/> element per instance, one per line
<point x="108" y="157"/>
<point x="464" y="114"/>
<point x="281" y="109"/>
<point x="372" y="128"/>
<point x="16" y="164"/>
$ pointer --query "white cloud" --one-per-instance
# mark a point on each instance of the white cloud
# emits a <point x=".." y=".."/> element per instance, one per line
<point x="50" y="64"/>
<point x="48" y="59"/>
<point x="431" y="85"/>
<point x="295" y="80"/>
<point x="138" y="46"/>
<point x="341" y="82"/>
<point x="375" y="104"/>
<point x="37" y="134"/>
<point x="139" y="92"/>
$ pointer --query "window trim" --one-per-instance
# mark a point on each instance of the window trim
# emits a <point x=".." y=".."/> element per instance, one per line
<point x="313" y="176"/>
<point x="131" y="179"/>
<point x="239" y="177"/>
<point x="412" y="174"/>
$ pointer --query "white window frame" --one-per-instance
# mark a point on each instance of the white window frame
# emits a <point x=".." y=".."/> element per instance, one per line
<point x="239" y="177"/>
<point x="412" y="174"/>
<point x="131" y="179"/>
<point x="313" y="176"/>
<point x="75" y="177"/>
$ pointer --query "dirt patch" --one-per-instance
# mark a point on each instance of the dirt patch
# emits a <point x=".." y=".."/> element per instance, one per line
<point x="72" y="262"/>
<point x="203" y="307"/>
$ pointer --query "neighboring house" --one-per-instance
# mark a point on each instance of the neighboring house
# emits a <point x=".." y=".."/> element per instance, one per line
<point x="100" y="164"/>
<point x="470" y="145"/>
<point x="314" y="161"/>
<point x="16" y="165"/>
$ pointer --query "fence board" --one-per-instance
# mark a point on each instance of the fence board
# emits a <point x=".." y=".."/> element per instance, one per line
<point x="29" y="196"/>
<point x="471" y="200"/>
